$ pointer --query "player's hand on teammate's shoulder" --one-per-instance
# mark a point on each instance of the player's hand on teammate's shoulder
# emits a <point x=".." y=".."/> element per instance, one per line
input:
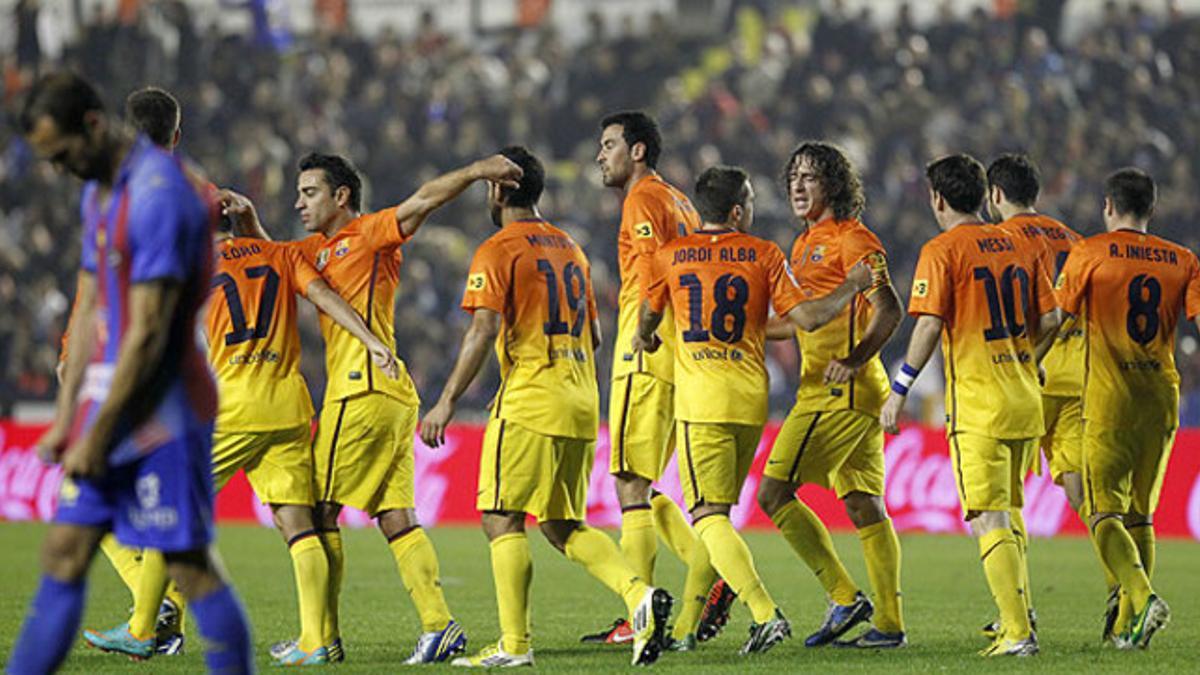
<point x="889" y="417"/>
<point x="85" y="458"/>
<point x="860" y="275"/>
<point x="840" y="371"/>
<point x="650" y="346"/>
<point x="433" y="427"/>
<point x="499" y="169"/>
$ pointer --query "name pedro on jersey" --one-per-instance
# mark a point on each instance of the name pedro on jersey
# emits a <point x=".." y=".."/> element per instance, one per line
<point x="690" y="254"/>
<point x="1146" y="253"/>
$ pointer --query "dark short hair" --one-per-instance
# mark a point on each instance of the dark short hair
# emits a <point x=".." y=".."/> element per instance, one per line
<point x="1017" y="176"/>
<point x="339" y="172"/>
<point x="841" y="183"/>
<point x="960" y="180"/>
<point x="1132" y="192"/>
<point x="533" y="177"/>
<point x="718" y="190"/>
<point x="65" y="97"/>
<point x="637" y="127"/>
<point x="154" y="112"/>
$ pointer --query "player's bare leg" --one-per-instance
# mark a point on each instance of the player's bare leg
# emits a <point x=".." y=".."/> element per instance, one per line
<point x="1001" y="558"/>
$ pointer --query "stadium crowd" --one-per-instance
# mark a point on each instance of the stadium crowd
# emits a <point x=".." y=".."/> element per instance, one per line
<point x="406" y="107"/>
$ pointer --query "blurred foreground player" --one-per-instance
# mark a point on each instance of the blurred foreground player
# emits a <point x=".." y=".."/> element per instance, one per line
<point x="135" y="411"/>
<point x="720" y="282"/>
<point x="1129" y="288"/>
<point x="529" y="291"/>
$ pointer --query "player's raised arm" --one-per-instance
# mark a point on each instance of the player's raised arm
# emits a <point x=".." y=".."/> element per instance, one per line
<point x="80" y="339"/>
<point x="412" y="212"/>
<point x="813" y="314"/>
<point x="925" y="336"/>
<point x="328" y="301"/>
<point x="481" y="334"/>
<point x="241" y="214"/>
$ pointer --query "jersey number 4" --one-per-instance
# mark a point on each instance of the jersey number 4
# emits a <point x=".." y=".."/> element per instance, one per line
<point x="728" y="319"/>
<point x="237" y="314"/>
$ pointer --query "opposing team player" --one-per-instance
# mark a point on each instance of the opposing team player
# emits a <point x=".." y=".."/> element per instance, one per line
<point x="990" y="301"/>
<point x="1013" y="186"/>
<point x="363" y="452"/>
<point x="529" y="292"/>
<point x="135" y="410"/>
<point x="641" y="418"/>
<point x="1128" y="288"/>
<point x="720" y="282"/>
<point x="832" y="436"/>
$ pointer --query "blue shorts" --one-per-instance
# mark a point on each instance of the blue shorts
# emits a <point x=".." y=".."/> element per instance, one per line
<point x="162" y="501"/>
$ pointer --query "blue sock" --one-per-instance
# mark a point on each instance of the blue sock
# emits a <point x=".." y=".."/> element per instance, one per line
<point x="225" y="631"/>
<point x="50" y="627"/>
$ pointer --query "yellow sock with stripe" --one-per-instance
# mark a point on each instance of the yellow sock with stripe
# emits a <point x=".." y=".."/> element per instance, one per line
<point x="1001" y="565"/>
<point x="151" y="587"/>
<point x="125" y="560"/>
<point x="733" y="561"/>
<point x="1022" y="537"/>
<point x="881" y="549"/>
<point x="512" y="571"/>
<point x="418" y="565"/>
<point x="1120" y="554"/>
<point x="638" y="543"/>
<point x="603" y="560"/>
<point x="810" y="540"/>
<point x="311" y="568"/>
<point x="1143" y="539"/>
<point x="331" y="541"/>
<point x="683" y="541"/>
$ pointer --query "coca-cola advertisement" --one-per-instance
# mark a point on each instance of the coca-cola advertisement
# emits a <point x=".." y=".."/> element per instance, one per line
<point x="920" y="487"/>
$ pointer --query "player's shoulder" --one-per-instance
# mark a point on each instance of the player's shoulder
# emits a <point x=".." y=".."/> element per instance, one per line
<point x="855" y="232"/>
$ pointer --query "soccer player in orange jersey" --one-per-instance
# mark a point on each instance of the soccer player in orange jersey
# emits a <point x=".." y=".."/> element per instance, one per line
<point x="832" y="436"/>
<point x="720" y="281"/>
<point x="990" y="301"/>
<point x="1129" y="289"/>
<point x="363" y="450"/>
<point x="529" y="291"/>
<point x="641" y="420"/>
<point x="1013" y="186"/>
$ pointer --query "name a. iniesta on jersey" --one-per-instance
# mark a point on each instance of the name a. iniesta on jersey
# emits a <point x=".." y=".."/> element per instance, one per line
<point x="1146" y="253"/>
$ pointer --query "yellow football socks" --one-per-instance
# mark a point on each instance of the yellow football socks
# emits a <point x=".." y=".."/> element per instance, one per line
<point x="127" y="561"/>
<point x="735" y="564"/>
<point x="1001" y="565"/>
<point x="881" y="549"/>
<point x="638" y="543"/>
<point x="151" y="586"/>
<point x="1022" y="537"/>
<point x="603" y="560"/>
<point x="673" y="527"/>
<point x="512" y="570"/>
<point x="810" y="540"/>
<point x="331" y="541"/>
<point x="1143" y="539"/>
<point x="418" y="565"/>
<point x="311" y="568"/>
<point x="1120" y="554"/>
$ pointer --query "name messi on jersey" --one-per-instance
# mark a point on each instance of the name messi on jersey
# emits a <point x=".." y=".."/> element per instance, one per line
<point x="691" y="254"/>
<point x="549" y="241"/>
<point x="1146" y="253"/>
<point x="995" y="245"/>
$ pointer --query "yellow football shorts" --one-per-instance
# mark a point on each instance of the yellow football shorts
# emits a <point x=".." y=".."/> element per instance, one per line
<point x="989" y="472"/>
<point x="839" y="449"/>
<point x="363" y="454"/>
<point x="278" y="463"/>
<point x="523" y="471"/>
<point x="641" y="423"/>
<point x="1063" y="442"/>
<point x="714" y="461"/>
<point x="1123" y="468"/>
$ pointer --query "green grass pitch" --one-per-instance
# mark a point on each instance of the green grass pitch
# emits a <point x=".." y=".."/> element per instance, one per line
<point x="945" y="601"/>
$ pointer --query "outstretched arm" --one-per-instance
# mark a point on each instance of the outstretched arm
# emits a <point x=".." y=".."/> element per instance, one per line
<point x="924" y="340"/>
<point x="813" y="314"/>
<point x="779" y="328"/>
<point x="412" y="212"/>
<point x="485" y="326"/>
<point x="328" y="301"/>
<point x="239" y="209"/>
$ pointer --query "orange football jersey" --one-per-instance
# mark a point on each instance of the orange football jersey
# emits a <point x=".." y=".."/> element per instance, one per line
<point x="654" y="213"/>
<point x="539" y="280"/>
<point x="1131" y="288"/>
<point x="989" y="289"/>
<point x="719" y="284"/>
<point x="253" y="340"/>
